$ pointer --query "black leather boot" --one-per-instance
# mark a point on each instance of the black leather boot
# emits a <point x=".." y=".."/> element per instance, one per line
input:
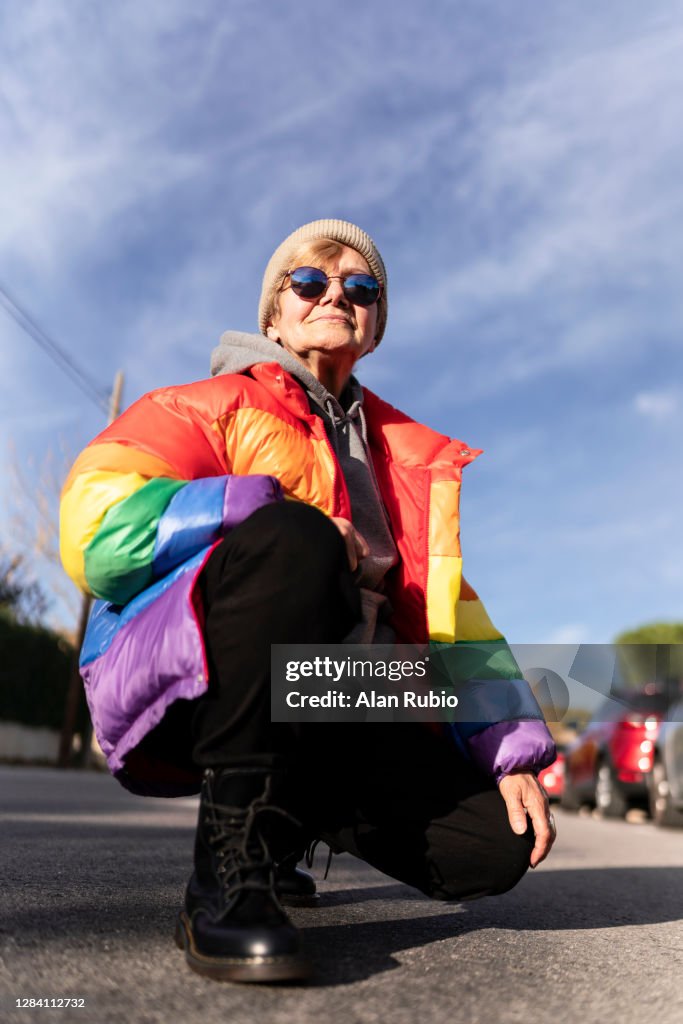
<point x="295" y="887"/>
<point x="233" y="927"/>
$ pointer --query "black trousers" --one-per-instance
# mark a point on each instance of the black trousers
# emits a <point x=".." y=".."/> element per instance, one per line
<point x="396" y="795"/>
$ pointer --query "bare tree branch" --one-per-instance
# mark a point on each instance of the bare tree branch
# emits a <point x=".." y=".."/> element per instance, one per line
<point x="34" y="515"/>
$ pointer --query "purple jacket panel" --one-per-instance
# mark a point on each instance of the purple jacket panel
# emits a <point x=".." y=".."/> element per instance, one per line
<point x="509" y="747"/>
<point x="246" y="494"/>
<point x="155" y="659"/>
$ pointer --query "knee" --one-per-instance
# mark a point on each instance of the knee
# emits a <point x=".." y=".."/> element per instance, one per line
<point x="492" y="865"/>
<point x="287" y="547"/>
<point x="285" y="536"/>
<point x="300" y="527"/>
<point x="512" y="862"/>
<point x="492" y="879"/>
<point x="295" y="534"/>
<point x="285" y="563"/>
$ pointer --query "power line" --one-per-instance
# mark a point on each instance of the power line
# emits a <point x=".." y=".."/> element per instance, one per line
<point x="59" y="355"/>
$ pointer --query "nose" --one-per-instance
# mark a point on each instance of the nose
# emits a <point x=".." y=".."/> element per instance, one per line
<point x="334" y="293"/>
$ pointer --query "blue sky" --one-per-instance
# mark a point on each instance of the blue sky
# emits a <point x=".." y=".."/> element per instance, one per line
<point x="519" y="167"/>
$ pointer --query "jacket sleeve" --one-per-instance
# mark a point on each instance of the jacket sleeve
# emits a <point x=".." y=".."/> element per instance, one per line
<point x="148" y="493"/>
<point x="499" y="724"/>
<point x="508" y="747"/>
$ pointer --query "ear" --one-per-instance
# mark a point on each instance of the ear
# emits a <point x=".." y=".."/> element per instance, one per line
<point x="272" y="332"/>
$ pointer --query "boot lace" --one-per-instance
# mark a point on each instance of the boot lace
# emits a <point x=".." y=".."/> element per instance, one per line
<point x="243" y="859"/>
<point x="310" y="854"/>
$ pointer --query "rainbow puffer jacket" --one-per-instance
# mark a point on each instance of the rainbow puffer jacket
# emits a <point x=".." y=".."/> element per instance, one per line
<point x="147" y="500"/>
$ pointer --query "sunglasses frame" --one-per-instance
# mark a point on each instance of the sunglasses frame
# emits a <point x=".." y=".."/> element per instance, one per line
<point x="325" y="285"/>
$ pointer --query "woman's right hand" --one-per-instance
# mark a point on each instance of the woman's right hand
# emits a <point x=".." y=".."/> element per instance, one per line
<point x="356" y="545"/>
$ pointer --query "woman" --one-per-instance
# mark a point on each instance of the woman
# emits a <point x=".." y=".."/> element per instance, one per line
<point x="174" y="516"/>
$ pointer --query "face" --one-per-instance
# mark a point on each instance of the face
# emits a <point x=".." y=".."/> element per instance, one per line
<point x="331" y="323"/>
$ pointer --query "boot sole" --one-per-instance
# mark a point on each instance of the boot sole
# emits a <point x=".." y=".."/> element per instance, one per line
<point x="244" y="969"/>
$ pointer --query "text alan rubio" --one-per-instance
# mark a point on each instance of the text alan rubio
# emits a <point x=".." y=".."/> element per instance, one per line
<point x="371" y="699"/>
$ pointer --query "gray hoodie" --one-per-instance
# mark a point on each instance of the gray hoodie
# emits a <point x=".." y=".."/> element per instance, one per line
<point x="346" y="429"/>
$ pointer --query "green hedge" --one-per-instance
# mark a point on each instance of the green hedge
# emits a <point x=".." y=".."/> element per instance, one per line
<point x="651" y="652"/>
<point x="34" y="675"/>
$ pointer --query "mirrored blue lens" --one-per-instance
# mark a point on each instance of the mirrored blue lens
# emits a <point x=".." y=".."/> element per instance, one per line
<point x="308" y="282"/>
<point x="311" y="282"/>
<point x="361" y="289"/>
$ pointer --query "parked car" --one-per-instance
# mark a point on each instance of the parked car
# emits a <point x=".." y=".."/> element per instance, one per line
<point x="609" y="764"/>
<point x="666" y="778"/>
<point x="552" y="778"/>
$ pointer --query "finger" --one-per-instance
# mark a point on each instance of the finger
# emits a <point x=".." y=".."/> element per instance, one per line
<point x="348" y="535"/>
<point x="544" y="832"/>
<point x="350" y="542"/>
<point x="362" y="546"/>
<point x="545" y="837"/>
<point x="516" y="812"/>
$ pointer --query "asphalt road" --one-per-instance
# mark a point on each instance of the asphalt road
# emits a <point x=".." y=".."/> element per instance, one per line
<point x="92" y="878"/>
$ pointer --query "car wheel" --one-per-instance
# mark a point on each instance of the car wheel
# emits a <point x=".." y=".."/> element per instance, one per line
<point x="609" y="800"/>
<point x="662" y="809"/>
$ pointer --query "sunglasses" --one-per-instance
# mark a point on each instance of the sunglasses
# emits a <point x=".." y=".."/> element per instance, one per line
<point x="311" y="283"/>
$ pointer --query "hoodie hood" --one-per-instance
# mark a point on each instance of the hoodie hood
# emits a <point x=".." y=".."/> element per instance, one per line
<point x="237" y="351"/>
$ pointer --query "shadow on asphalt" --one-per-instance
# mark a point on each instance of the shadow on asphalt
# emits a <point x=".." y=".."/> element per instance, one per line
<point x="571" y="900"/>
<point x="134" y="912"/>
<point x="647" y="896"/>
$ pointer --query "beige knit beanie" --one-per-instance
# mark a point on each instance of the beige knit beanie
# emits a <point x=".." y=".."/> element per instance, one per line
<point x="338" y="231"/>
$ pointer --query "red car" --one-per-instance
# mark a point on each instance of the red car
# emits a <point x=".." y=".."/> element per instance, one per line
<point x="608" y="765"/>
<point x="552" y="778"/>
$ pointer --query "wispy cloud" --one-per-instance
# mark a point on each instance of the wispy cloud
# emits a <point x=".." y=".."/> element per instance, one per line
<point x="657" y="405"/>
<point x="571" y="633"/>
<point x="572" y="180"/>
<point x="82" y="145"/>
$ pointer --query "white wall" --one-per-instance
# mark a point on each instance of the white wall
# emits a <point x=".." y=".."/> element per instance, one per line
<point x="22" y="743"/>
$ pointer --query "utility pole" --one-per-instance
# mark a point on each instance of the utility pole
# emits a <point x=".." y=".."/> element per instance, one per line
<point x="73" y="692"/>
